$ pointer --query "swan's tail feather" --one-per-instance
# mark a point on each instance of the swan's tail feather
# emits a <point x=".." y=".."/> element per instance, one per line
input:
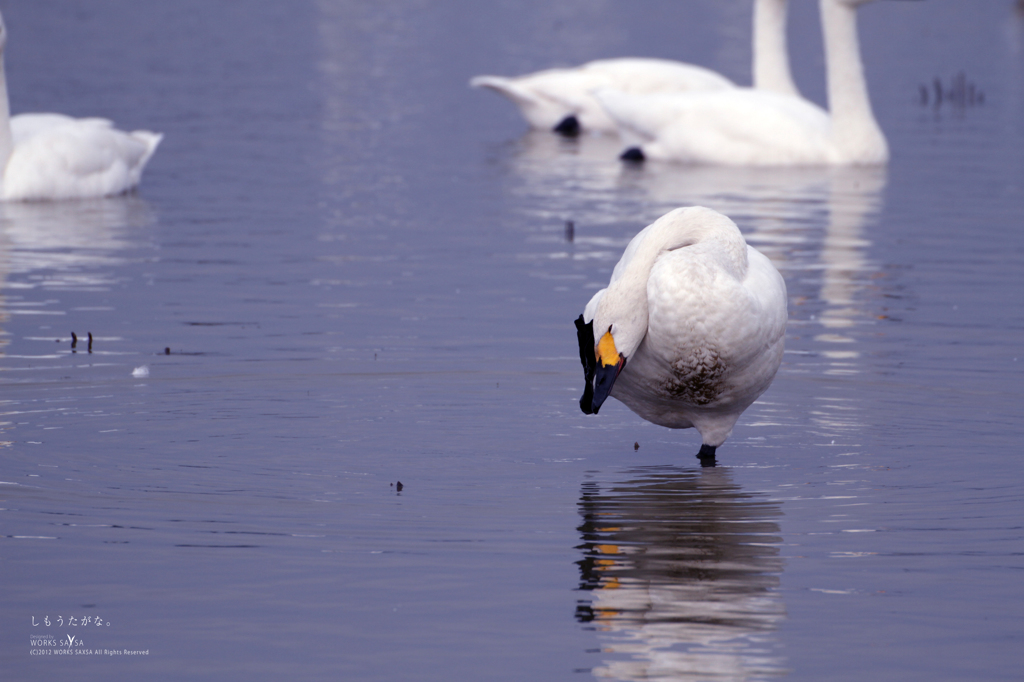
<point x="504" y="86"/>
<point x="535" y="104"/>
<point x="493" y="82"/>
<point x="151" y="140"/>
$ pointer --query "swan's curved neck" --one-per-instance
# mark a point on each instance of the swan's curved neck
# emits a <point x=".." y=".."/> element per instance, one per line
<point x="855" y="131"/>
<point x="771" y="57"/>
<point x="6" y="140"/>
<point x="624" y="304"/>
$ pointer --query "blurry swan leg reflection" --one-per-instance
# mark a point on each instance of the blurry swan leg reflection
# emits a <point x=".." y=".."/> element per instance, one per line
<point x="678" y="576"/>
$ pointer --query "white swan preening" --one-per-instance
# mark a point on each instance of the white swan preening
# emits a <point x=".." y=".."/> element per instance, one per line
<point x="53" y="156"/>
<point x="746" y="127"/>
<point x="562" y="99"/>
<point x="689" y="331"/>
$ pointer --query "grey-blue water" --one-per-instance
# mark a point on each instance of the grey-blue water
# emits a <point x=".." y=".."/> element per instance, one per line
<point x="345" y="269"/>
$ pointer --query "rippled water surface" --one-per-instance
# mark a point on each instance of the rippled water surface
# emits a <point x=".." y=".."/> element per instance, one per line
<point x="347" y="269"/>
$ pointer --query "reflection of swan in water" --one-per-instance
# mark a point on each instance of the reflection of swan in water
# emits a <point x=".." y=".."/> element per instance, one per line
<point x="576" y="178"/>
<point x="557" y="173"/>
<point x="779" y="210"/>
<point x="562" y="100"/>
<point x="69" y="237"/>
<point x="679" y="572"/>
<point x="854" y="199"/>
<point x="62" y="246"/>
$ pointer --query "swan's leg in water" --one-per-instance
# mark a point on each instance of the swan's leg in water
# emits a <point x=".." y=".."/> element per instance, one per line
<point x="568" y="126"/>
<point x="706" y="455"/>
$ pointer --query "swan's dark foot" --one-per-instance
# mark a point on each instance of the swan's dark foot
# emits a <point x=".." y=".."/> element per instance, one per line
<point x="568" y="126"/>
<point x="634" y="154"/>
<point x="706" y="455"/>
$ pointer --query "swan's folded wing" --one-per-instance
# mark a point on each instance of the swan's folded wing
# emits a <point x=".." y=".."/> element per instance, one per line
<point x="639" y="117"/>
<point x="84" y="159"/>
<point x="741" y="126"/>
<point x="767" y="290"/>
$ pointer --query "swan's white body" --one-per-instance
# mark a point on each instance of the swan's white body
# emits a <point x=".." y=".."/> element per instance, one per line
<point x="700" y="318"/>
<point x="546" y="98"/>
<point x="53" y="156"/>
<point x="747" y="127"/>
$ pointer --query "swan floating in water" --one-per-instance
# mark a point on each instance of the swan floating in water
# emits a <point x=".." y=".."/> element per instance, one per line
<point x="562" y="100"/>
<point x="747" y="127"/>
<point x="689" y="331"/>
<point x="53" y="156"/>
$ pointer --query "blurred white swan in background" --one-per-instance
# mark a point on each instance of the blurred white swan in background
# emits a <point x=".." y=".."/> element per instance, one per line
<point x="690" y="329"/>
<point x="562" y="99"/>
<point x="751" y="127"/>
<point x="53" y="156"/>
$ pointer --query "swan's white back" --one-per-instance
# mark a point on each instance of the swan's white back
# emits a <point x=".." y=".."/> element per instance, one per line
<point x="546" y="98"/>
<point x="47" y="156"/>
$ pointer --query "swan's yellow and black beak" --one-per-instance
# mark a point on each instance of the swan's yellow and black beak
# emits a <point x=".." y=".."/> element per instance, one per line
<point x="601" y="365"/>
<point x="609" y="363"/>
